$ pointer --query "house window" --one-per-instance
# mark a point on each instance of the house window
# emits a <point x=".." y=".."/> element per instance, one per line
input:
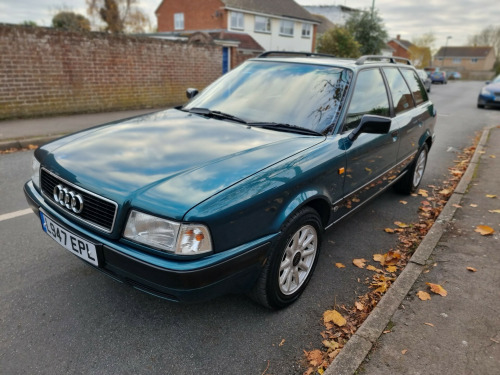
<point x="457" y="60"/>
<point x="179" y="21"/>
<point x="262" y="24"/>
<point x="286" y="28"/>
<point x="306" y="30"/>
<point x="473" y="60"/>
<point x="236" y="20"/>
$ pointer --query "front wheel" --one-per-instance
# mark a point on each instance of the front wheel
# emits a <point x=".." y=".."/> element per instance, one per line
<point x="412" y="179"/>
<point x="292" y="262"/>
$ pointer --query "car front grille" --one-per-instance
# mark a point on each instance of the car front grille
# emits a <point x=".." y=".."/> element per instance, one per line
<point x="97" y="211"/>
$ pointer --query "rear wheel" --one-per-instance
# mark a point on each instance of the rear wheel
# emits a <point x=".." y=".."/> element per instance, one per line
<point x="292" y="262"/>
<point x="412" y="179"/>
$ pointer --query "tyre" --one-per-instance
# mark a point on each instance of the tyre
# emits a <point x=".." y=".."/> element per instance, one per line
<point x="292" y="262"/>
<point x="411" y="180"/>
<point x="480" y="105"/>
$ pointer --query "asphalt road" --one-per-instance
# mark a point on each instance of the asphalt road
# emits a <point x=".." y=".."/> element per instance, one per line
<point x="59" y="316"/>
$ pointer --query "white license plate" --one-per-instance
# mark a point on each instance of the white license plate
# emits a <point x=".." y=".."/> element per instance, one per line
<point x="75" y="244"/>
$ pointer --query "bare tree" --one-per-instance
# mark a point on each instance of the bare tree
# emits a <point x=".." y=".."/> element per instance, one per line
<point x="119" y="15"/>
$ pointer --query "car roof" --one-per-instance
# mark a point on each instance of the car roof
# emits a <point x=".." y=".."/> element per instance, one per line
<point x="327" y="60"/>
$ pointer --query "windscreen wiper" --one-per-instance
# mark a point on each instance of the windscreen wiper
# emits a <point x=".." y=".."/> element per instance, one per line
<point x="216" y="114"/>
<point x="284" y="127"/>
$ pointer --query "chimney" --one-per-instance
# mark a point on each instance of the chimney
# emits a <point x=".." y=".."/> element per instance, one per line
<point x="398" y="37"/>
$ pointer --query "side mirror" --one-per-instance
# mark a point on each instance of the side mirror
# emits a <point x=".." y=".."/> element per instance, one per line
<point x="191" y="93"/>
<point x="488" y="82"/>
<point x="372" y="124"/>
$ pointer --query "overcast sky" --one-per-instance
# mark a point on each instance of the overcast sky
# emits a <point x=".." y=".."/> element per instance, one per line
<point x="409" y="18"/>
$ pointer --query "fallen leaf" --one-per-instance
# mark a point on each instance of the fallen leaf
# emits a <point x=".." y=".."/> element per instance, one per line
<point x="379" y="258"/>
<point x="473" y="205"/>
<point x="359" y="306"/>
<point x="492" y="156"/>
<point x="424" y="296"/>
<point x="496" y="341"/>
<point x="32" y="147"/>
<point x="494" y="211"/>
<point x="401" y="225"/>
<point x="339" y="265"/>
<point x="282" y="342"/>
<point x="372" y="268"/>
<point x="386" y="332"/>
<point x="484" y="230"/>
<point x="429" y="324"/>
<point x="335" y="317"/>
<point x="403" y="352"/>
<point x="423" y="193"/>
<point x="456" y="205"/>
<point x="403" y="202"/>
<point x="446" y="192"/>
<point x="368" y="170"/>
<point x="315" y="357"/>
<point x="331" y="344"/>
<point x="490" y="196"/>
<point x="391" y="269"/>
<point x="472" y="269"/>
<point x="438" y="289"/>
<point x="359" y="262"/>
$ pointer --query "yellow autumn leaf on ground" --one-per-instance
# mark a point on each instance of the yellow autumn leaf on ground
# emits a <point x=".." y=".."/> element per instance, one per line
<point x="471" y="269"/>
<point x="339" y="265"/>
<point x="473" y="205"/>
<point x="331" y="344"/>
<point x="403" y="352"/>
<point x="372" y="268"/>
<point x="359" y="262"/>
<point x="484" y="230"/>
<point x="429" y="324"/>
<point x="438" y="289"/>
<point x="389" y="230"/>
<point x="446" y="192"/>
<point x="403" y="202"/>
<point x="424" y="296"/>
<point x="391" y="269"/>
<point x="379" y="258"/>
<point x="282" y="342"/>
<point x="401" y="225"/>
<point x="423" y="193"/>
<point x="32" y="147"/>
<point x="492" y="156"/>
<point x="490" y="196"/>
<point x="494" y="211"/>
<point x="359" y="306"/>
<point x="335" y="317"/>
<point x="392" y="258"/>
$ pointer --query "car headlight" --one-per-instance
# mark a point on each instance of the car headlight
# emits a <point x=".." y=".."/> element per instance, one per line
<point x="166" y="235"/>
<point x="485" y="91"/>
<point x="35" y="172"/>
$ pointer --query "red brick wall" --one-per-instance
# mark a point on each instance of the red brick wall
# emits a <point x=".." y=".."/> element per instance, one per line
<point x="198" y="14"/>
<point x="44" y="71"/>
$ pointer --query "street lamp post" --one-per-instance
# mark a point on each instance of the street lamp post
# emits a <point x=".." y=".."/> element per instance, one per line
<point x="445" y="48"/>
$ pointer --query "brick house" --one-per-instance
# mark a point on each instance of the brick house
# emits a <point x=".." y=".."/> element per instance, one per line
<point x="274" y="25"/>
<point x="471" y="62"/>
<point x="401" y="47"/>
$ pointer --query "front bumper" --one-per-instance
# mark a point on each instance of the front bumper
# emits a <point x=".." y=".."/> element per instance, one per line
<point x="488" y="100"/>
<point x="231" y="271"/>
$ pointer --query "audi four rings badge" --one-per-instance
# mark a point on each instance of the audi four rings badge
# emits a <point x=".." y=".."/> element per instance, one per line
<point x="68" y="198"/>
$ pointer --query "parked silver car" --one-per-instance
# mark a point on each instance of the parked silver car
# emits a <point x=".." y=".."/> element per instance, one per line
<point x="425" y="79"/>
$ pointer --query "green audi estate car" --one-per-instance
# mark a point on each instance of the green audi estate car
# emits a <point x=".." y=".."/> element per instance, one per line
<point x="231" y="193"/>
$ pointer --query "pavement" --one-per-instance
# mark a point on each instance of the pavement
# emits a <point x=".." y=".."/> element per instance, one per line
<point x="456" y="334"/>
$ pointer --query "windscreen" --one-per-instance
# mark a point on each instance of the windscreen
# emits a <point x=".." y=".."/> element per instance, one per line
<point x="309" y="96"/>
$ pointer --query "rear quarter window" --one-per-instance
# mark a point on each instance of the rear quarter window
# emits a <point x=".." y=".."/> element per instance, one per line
<point x="416" y="86"/>
<point x="400" y="92"/>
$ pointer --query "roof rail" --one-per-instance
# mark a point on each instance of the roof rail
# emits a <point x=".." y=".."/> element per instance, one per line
<point x="292" y="53"/>
<point x="392" y="59"/>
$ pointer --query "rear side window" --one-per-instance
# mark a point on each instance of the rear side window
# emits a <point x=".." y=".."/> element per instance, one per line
<point x="416" y="86"/>
<point x="369" y="97"/>
<point x="401" y="95"/>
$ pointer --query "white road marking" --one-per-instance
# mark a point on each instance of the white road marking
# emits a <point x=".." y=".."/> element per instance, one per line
<point x="12" y="215"/>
